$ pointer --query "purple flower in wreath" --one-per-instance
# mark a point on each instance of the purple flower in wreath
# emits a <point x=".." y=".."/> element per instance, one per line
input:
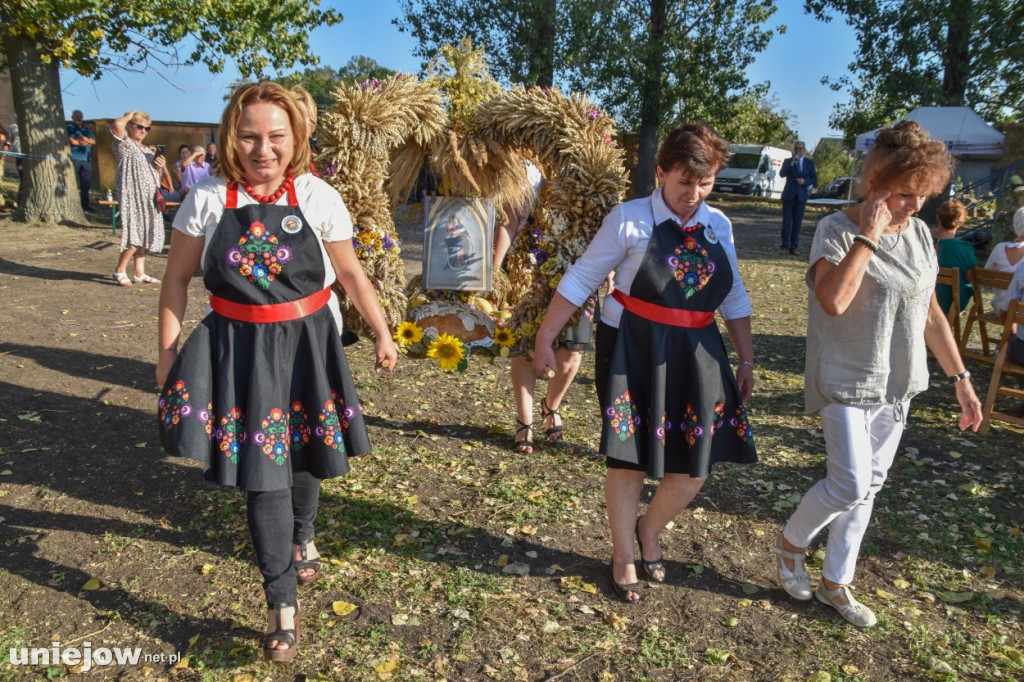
<point x="542" y="258"/>
<point x="594" y="114"/>
<point x="330" y="169"/>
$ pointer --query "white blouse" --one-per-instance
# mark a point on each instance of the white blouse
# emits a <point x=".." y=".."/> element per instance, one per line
<point x="621" y="243"/>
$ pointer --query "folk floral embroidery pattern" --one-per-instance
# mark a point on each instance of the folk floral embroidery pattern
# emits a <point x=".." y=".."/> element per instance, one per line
<point x="299" y="426"/>
<point x="741" y="424"/>
<point x="662" y="428"/>
<point x="273" y="436"/>
<point x="205" y="415"/>
<point x="622" y="415"/>
<point x="258" y="256"/>
<point x="691" y="265"/>
<point x="230" y="434"/>
<point x="329" y="428"/>
<point x="174" y="405"/>
<point x="719" y="417"/>
<point x="691" y="425"/>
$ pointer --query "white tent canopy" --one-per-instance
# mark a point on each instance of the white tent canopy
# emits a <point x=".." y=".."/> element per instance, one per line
<point x="963" y="131"/>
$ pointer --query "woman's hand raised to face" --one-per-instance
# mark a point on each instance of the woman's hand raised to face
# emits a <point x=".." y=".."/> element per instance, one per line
<point x="875" y="215"/>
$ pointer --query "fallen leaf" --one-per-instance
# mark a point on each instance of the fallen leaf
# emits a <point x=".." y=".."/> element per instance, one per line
<point x="697" y="569"/>
<point x="502" y="560"/>
<point x="901" y="583"/>
<point x="399" y="540"/>
<point x="955" y="597"/>
<point x="528" y="530"/>
<point x="412" y="499"/>
<point x="882" y="594"/>
<point x="386" y="669"/>
<point x="343" y="608"/>
<point x="399" y="618"/>
<point x="939" y="665"/>
<point x="730" y="622"/>
<point x="517" y="569"/>
<point x="954" y="454"/>
<point x="819" y="676"/>
<point x="987" y="571"/>
<point x="850" y="669"/>
<point x="745" y="602"/>
<point x="984" y="544"/>
<point x="550" y="627"/>
<point x="718" y="656"/>
<point x="1015" y="655"/>
<point x="242" y="677"/>
<point x="91" y="584"/>
<point x="749" y="588"/>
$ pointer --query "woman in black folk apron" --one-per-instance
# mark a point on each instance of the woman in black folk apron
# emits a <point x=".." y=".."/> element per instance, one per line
<point x="261" y="392"/>
<point x="671" y="405"/>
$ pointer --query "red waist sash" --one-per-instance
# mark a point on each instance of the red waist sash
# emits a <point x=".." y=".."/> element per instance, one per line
<point x="273" y="312"/>
<point x="662" y="315"/>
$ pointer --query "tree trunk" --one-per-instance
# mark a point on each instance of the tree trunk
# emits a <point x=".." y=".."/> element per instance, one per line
<point x="956" y="58"/>
<point x="49" y="189"/>
<point x="543" y="57"/>
<point x="651" y="102"/>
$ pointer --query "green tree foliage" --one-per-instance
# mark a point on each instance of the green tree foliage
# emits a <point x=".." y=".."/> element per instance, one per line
<point x="832" y="160"/>
<point x="651" y="63"/>
<point x="93" y="37"/>
<point x="757" y="120"/>
<point x="321" y="81"/>
<point x="656" y="63"/>
<point x="518" y="36"/>
<point x="928" y="53"/>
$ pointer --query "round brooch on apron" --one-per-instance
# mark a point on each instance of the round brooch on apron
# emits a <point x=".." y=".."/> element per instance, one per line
<point x="291" y="224"/>
<point x="710" y="235"/>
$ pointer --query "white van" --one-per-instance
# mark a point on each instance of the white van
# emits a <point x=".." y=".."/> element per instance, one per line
<point x="753" y="170"/>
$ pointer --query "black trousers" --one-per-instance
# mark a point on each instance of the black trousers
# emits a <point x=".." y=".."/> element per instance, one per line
<point x="277" y="520"/>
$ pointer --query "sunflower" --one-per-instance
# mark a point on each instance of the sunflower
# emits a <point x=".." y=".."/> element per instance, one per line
<point x="504" y="337"/>
<point x="447" y="350"/>
<point x="408" y="333"/>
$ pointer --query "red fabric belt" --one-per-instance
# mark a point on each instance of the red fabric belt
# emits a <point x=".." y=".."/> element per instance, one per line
<point x="274" y="312"/>
<point x="657" y="313"/>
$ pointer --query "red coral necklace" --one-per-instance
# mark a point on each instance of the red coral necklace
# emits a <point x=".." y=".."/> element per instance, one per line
<point x="270" y="198"/>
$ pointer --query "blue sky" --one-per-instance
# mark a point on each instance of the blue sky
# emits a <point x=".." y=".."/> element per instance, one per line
<point x="794" y="63"/>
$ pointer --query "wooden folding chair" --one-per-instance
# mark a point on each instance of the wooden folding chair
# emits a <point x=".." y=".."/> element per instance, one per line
<point x="951" y="278"/>
<point x="1005" y="366"/>
<point x="983" y="278"/>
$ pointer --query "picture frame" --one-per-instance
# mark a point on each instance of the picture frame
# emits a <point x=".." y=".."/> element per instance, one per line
<point x="458" y="235"/>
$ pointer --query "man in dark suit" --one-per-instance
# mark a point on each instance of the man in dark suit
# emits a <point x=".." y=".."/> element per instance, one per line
<point x="800" y="174"/>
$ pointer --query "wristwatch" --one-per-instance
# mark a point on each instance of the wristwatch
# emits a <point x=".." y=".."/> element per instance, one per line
<point x="960" y="377"/>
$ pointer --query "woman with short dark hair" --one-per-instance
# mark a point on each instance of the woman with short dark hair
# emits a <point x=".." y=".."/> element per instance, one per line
<point x="671" y="404"/>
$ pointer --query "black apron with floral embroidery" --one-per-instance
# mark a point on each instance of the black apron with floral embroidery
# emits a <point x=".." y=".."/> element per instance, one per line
<point x="673" y="405"/>
<point x="257" y="401"/>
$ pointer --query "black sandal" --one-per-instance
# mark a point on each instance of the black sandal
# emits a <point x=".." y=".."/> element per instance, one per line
<point x="305" y="564"/>
<point x="622" y="591"/>
<point x="282" y="636"/>
<point x="650" y="566"/>
<point x="523" y="446"/>
<point x="556" y="430"/>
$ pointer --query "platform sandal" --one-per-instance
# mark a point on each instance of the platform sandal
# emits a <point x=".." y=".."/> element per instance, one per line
<point x="556" y="430"/>
<point x="282" y="636"/>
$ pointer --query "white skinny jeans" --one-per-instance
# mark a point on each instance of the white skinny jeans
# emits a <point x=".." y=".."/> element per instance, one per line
<point x="861" y="443"/>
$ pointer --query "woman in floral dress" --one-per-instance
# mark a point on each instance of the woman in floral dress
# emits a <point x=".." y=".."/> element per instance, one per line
<point x="142" y="224"/>
<point x="670" y="402"/>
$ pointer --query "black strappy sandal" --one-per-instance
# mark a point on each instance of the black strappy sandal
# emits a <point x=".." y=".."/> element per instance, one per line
<point x="282" y="636"/>
<point x="622" y="591"/>
<point x="650" y="566"/>
<point x="305" y="564"/>
<point x="556" y="430"/>
<point x="520" y="445"/>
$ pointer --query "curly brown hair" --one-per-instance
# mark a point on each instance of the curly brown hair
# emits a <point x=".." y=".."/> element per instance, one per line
<point x="905" y="154"/>
<point x="258" y="93"/>
<point x="952" y="214"/>
<point x="697" y="148"/>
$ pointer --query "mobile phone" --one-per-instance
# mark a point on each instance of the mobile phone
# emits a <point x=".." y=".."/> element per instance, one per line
<point x="161" y="150"/>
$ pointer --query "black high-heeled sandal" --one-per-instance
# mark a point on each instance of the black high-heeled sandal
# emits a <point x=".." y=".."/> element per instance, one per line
<point x="282" y="636"/>
<point x="556" y="430"/>
<point x="523" y="446"/>
<point x="304" y="564"/>
<point x="650" y="566"/>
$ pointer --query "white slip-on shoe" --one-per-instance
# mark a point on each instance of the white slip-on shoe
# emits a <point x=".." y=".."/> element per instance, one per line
<point x="796" y="583"/>
<point x="853" y="611"/>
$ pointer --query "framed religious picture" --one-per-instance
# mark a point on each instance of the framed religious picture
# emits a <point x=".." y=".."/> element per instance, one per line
<point x="457" y="243"/>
